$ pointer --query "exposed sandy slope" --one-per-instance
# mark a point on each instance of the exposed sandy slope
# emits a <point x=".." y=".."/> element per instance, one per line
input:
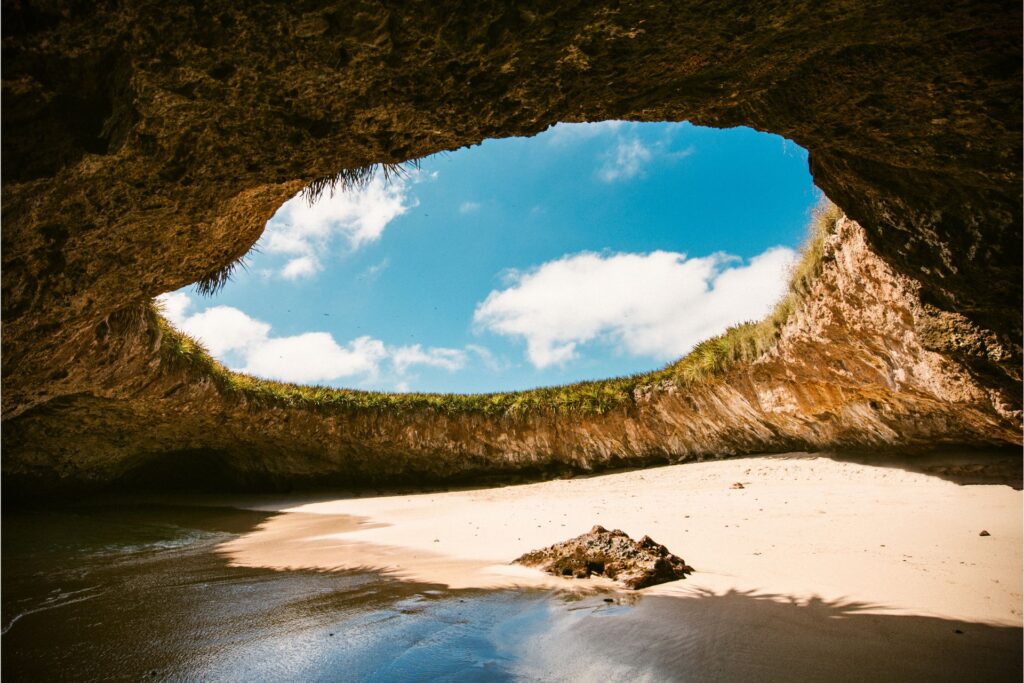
<point x="906" y="543"/>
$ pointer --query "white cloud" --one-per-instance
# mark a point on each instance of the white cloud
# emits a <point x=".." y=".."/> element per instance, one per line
<point x="658" y="304"/>
<point x="626" y="161"/>
<point x="306" y="231"/>
<point x="174" y="305"/>
<point x="448" y="359"/>
<point x="229" y="333"/>
<point x="627" y="155"/>
<point x="487" y="357"/>
<point x="223" y="329"/>
<point x="302" y="266"/>
<point x="469" y="207"/>
<point x="314" y="357"/>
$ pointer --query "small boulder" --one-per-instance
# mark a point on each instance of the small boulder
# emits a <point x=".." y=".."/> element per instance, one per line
<point x="634" y="564"/>
<point x="984" y="533"/>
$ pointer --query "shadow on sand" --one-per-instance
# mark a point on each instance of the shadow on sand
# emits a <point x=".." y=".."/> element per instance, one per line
<point x="964" y="467"/>
<point x="131" y="593"/>
<point x="760" y="637"/>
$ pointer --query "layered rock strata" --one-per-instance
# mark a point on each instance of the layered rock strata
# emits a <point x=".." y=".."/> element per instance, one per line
<point x="848" y="371"/>
<point x="146" y="144"/>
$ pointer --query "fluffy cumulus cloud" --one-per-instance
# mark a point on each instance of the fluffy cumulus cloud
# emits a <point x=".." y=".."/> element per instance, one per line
<point x="314" y="357"/>
<point x="224" y="328"/>
<point x="303" y="232"/>
<point x="248" y="345"/>
<point x="658" y="304"/>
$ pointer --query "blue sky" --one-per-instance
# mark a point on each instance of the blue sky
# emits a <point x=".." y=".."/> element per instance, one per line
<point x="590" y="250"/>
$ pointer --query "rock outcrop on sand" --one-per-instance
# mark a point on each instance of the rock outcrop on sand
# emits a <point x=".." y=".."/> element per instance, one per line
<point x="146" y="144"/>
<point x="634" y="564"/>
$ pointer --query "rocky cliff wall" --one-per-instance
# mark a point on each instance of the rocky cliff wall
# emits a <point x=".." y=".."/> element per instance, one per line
<point x="849" y="371"/>
<point x="146" y="143"/>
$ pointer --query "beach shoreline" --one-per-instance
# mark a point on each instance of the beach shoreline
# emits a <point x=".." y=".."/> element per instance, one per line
<point x="801" y="529"/>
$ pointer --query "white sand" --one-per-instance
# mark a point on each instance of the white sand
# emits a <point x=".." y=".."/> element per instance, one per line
<point x="801" y="527"/>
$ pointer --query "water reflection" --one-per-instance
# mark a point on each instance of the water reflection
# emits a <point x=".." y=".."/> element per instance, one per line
<point x="130" y="593"/>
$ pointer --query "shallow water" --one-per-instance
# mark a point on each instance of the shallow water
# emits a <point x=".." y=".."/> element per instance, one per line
<point x="141" y="593"/>
<point x="105" y="593"/>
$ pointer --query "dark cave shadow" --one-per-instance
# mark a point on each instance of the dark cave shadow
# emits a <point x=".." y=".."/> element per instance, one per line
<point x="962" y="466"/>
<point x="211" y="478"/>
<point x="966" y="467"/>
<point x="743" y="636"/>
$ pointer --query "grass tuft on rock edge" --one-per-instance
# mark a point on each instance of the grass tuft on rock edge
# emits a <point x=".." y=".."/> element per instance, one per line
<point x="743" y="343"/>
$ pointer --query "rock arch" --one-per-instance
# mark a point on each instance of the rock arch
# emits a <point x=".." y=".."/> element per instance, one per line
<point x="146" y="144"/>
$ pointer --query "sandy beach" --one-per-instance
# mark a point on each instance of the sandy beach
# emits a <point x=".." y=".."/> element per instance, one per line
<point x="802" y="530"/>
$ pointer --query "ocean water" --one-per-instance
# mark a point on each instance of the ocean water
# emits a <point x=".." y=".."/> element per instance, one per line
<point x="140" y="592"/>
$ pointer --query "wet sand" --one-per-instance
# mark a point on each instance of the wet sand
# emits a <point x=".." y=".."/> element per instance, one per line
<point x="815" y="570"/>
<point x="801" y="530"/>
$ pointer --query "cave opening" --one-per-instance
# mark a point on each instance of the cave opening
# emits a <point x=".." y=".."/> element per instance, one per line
<point x="588" y="251"/>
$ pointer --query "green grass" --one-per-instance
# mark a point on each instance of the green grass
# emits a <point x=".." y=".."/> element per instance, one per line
<point x="749" y="341"/>
<point x="709" y="359"/>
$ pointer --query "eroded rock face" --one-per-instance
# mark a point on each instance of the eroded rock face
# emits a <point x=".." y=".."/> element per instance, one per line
<point x="146" y="144"/>
<point x="634" y="564"/>
<point x="849" y="371"/>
